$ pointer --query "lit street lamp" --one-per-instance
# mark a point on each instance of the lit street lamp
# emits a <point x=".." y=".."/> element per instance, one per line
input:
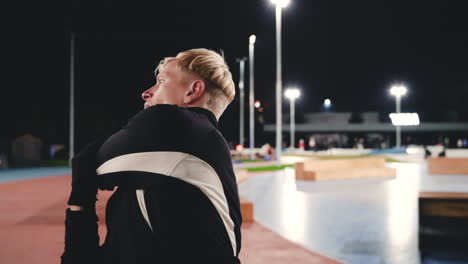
<point x="292" y="94"/>
<point x="398" y="91"/>
<point x="251" y="96"/>
<point x="327" y="103"/>
<point x="257" y="104"/>
<point x="241" y="98"/>
<point x="279" y="5"/>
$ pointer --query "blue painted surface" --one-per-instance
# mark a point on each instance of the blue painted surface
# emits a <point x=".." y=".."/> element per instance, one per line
<point x="356" y="221"/>
<point x="446" y="259"/>
<point x="9" y="175"/>
<point x="388" y="151"/>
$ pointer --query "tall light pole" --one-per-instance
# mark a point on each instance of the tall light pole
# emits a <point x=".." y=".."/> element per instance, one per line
<point x="251" y="96"/>
<point x="292" y="94"/>
<point x="398" y="91"/>
<point x="279" y="5"/>
<point x="242" y="98"/>
<point x="72" y="98"/>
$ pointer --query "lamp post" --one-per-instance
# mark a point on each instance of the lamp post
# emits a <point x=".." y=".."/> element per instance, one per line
<point x="251" y="96"/>
<point x="279" y="5"/>
<point x="292" y="94"/>
<point x="242" y="98"/>
<point x="398" y="91"/>
<point x="72" y="98"/>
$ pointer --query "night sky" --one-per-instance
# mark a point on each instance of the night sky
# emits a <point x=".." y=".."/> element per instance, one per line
<point x="348" y="51"/>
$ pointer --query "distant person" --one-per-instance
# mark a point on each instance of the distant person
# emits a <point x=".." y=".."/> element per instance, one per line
<point x="312" y="144"/>
<point x="301" y="144"/>
<point x="176" y="199"/>
<point x="383" y="144"/>
<point x="264" y="151"/>
<point x="360" y="143"/>
<point x="427" y="153"/>
<point x="3" y="161"/>
<point x="442" y="153"/>
<point x="446" y="142"/>
<point x="460" y="143"/>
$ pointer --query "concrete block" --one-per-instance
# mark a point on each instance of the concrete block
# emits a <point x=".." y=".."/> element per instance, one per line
<point x="457" y="166"/>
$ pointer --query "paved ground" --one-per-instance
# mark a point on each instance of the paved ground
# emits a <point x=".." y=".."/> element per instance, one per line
<point x="359" y="221"/>
<point x="32" y="224"/>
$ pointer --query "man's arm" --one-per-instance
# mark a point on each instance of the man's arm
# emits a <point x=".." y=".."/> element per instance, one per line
<point x="81" y="237"/>
<point x="81" y="228"/>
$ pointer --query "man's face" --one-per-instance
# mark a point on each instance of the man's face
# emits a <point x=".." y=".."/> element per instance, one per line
<point x="169" y="88"/>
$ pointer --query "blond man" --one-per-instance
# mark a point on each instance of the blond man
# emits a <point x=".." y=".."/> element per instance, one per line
<point x="176" y="199"/>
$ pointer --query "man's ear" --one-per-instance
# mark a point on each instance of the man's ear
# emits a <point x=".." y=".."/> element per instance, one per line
<point x="195" y="92"/>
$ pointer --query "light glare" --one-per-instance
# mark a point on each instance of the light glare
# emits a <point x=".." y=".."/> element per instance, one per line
<point x="405" y="119"/>
<point x="398" y="90"/>
<point x="252" y="39"/>
<point x="257" y="104"/>
<point x="281" y="3"/>
<point x="327" y="102"/>
<point x="292" y="93"/>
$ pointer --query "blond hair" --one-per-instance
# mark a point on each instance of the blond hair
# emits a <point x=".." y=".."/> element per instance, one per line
<point x="212" y="69"/>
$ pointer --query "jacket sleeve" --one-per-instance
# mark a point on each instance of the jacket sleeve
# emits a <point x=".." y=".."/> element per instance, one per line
<point x="81" y="237"/>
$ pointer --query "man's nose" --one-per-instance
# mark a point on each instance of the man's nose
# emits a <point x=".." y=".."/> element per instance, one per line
<point x="147" y="94"/>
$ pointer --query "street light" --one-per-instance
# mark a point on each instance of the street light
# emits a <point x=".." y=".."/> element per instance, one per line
<point x="405" y="119"/>
<point x="279" y="5"/>
<point x="327" y="103"/>
<point x="292" y="94"/>
<point x="398" y="91"/>
<point x="251" y="96"/>
<point x="242" y="98"/>
<point x="257" y="104"/>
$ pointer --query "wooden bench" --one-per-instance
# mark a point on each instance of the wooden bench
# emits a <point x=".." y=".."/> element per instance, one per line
<point x="443" y="222"/>
<point x="457" y="166"/>
<point x="246" y="210"/>
<point x="342" y="169"/>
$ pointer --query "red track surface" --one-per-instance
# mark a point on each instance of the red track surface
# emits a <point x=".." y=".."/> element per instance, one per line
<point x="32" y="227"/>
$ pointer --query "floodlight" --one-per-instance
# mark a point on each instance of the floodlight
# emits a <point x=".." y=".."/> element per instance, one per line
<point x="252" y="39"/>
<point x="398" y="90"/>
<point x="281" y="3"/>
<point x="292" y="93"/>
<point x="404" y="119"/>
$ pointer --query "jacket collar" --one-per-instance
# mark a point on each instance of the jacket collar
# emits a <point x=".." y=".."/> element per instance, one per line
<point x="211" y="117"/>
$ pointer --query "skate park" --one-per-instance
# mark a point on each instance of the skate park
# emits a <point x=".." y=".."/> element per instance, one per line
<point x="369" y="219"/>
<point x="347" y="129"/>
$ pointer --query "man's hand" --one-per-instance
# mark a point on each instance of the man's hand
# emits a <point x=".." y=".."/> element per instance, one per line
<point x="84" y="177"/>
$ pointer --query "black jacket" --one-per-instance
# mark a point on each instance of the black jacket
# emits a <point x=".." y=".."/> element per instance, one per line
<point x="177" y="198"/>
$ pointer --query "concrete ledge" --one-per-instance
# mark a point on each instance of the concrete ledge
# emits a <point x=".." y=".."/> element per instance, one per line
<point x="443" y="195"/>
<point x="349" y="174"/>
<point x="246" y="210"/>
<point x="351" y="163"/>
<point x="457" y="166"/>
<point x="342" y="169"/>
